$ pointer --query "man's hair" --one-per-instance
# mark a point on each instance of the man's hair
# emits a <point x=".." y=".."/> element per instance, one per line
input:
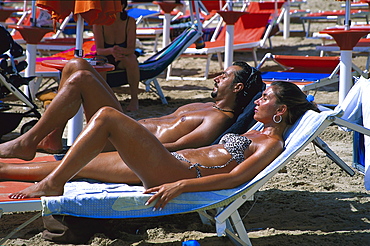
<point x="251" y="78"/>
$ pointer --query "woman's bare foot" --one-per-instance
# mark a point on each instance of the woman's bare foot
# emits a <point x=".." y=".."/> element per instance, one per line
<point x="38" y="190"/>
<point x="16" y="149"/>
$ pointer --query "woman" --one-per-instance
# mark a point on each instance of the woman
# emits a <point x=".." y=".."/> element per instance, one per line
<point x="234" y="161"/>
<point x="118" y="42"/>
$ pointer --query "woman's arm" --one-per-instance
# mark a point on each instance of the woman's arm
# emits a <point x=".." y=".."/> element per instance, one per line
<point x="263" y="155"/>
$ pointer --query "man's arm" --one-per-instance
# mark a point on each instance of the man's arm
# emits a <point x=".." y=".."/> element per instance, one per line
<point x="210" y="128"/>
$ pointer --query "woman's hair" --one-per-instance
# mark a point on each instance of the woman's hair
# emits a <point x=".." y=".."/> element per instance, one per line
<point x="251" y="78"/>
<point x="289" y="94"/>
<point x="123" y="14"/>
<point x="124" y="2"/>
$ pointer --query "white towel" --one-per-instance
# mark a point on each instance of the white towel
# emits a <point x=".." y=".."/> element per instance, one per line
<point x="356" y="108"/>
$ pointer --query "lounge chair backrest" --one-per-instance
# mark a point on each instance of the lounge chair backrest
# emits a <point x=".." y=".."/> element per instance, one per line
<point x="296" y="137"/>
<point x="264" y="7"/>
<point x="157" y="63"/>
<point x="249" y="27"/>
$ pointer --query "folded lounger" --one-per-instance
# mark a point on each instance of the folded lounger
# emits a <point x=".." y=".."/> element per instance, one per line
<point x="356" y="109"/>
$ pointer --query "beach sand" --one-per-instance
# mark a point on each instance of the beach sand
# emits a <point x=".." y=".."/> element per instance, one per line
<point x="310" y="202"/>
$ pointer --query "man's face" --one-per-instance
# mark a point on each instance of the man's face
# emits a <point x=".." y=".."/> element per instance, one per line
<point x="224" y="82"/>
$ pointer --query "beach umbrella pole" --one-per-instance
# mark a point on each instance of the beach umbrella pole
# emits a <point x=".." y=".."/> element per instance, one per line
<point x="31" y="52"/>
<point x="75" y="124"/>
<point x="229" y="40"/>
<point x="230" y="17"/>
<point x="166" y="29"/>
<point x="345" y="76"/>
<point x="167" y="7"/>
<point x="286" y="31"/>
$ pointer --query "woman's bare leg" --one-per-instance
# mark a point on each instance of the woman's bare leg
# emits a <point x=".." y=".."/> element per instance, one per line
<point x="133" y="77"/>
<point x="116" y="172"/>
<point x="138" y="148"/>
<point x="80" y="84"/>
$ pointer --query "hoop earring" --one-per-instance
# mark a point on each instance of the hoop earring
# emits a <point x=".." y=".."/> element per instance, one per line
<point x="277" y="121"/>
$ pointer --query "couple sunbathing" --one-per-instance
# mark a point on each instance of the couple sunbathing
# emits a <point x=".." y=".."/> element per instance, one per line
<point x="142" y="156"/>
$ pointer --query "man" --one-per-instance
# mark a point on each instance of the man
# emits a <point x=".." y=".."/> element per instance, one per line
<point x="190" y="126"/>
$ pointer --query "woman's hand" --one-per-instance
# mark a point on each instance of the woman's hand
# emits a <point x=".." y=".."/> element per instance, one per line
<point x="118" y="52"/>
<point x="164" y="193"/>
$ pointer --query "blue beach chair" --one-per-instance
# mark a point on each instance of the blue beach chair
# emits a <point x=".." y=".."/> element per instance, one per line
<point x="156" y="64"/>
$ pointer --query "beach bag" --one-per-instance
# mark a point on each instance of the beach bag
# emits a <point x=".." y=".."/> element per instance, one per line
<point x="70" y="229"/>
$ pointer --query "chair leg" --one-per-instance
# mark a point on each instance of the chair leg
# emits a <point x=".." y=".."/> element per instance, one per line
<point x="228" y="227"/>
<point x="38" y="215"/>
<point x="329" y="153"/>
<point x="156" y="88"/>
<point x="205" y="218"/>
<point x="254" y="52"/>
<point x="219" y="60"/>
<point x="169" y="71"/>
<point x="239" y="227"/>
<point x="208" y="63"/>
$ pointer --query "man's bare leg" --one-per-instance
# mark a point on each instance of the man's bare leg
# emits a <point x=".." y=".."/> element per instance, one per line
<point x="80" y="84"/>
<point x="130" y="139"/>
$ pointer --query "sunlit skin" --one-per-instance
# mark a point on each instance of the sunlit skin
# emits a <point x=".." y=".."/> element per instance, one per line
<point x="192" y="125"/>
<point x="153" y="164"/>
<point x="189" y="124"/>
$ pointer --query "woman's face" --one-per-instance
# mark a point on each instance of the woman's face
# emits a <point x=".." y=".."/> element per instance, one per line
<point x="266" y="106"/>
